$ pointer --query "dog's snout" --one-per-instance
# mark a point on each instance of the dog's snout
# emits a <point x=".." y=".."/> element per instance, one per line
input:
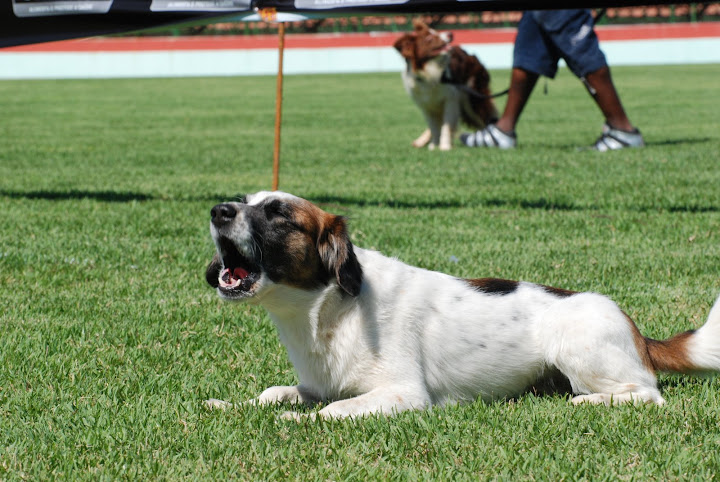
<point x="222" y="214"/>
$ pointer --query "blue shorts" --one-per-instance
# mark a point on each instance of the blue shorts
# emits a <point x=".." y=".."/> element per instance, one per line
<point x="546" y="36"/>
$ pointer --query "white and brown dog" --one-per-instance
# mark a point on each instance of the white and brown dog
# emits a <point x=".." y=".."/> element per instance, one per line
<point x="373" y="335"/>
<point x="446" y="83"/>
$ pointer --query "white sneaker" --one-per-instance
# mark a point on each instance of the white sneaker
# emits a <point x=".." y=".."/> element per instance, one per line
<point x="613" y="139"/>
<point x="491" y="136"/>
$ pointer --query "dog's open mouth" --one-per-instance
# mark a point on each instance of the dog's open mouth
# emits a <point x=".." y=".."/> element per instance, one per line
<point x="441" y="50"/>
<point x="239" y="274"/>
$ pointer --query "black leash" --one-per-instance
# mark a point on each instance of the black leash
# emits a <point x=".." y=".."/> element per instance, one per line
<point x="447" y="79"/>
<point x="480" y="96"/>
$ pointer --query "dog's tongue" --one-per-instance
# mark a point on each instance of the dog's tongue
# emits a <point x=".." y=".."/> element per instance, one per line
<point x="232" y="279"/>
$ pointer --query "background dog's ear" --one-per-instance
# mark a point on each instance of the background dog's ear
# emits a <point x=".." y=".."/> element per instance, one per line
<point x="338" y="257"/>
<point x="405" y="45"/>
<point x="213" y="271"/>
<point x="419" y="24"/>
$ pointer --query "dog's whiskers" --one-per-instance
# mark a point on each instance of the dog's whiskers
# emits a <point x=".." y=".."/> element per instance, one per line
<point x="256" y="246"/>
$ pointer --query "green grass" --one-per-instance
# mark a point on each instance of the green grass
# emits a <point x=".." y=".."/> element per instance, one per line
<point x="111" y="340"/>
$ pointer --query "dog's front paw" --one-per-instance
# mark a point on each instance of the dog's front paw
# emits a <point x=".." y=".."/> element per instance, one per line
<point x="423" y="140"/>
<point x="280" y="394"/>
<point x="215" y="404"/>
<point x="298" y="417"/>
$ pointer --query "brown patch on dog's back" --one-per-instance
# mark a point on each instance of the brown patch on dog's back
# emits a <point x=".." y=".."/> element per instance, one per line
<point x="494" y="286"/>
<point x="559" y="292"/>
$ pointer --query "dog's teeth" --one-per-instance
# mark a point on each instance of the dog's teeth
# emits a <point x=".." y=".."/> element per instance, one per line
<point x="234" y="278"/>
<point x="227" y="280"/>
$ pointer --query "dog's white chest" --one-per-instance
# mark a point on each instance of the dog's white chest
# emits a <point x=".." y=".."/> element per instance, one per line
<point x="425" y="88"/>
<point x="329" y="349"/>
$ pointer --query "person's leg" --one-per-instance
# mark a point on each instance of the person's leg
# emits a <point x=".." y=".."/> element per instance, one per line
<point x="617" y="132"/>
<point x="574" y="37"/>
<point x="532" y="56"/>
<point x="603" y="92"/>
<point x="502" y="133"/>
<point x="522" y="83"/>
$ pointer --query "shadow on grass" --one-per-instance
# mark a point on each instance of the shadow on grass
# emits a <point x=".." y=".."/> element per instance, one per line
<point x="691" y="209"/>
<point x="339" y="202"/>
<point x="666" y="142"/>
<point x="105" y="196"/>
<point x="110" y="196"/>
<point x="333" y="202"/>
<point x="675" y="142"/>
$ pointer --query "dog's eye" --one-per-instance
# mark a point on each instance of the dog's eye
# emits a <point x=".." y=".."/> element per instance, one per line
<point x="277" y="209"/>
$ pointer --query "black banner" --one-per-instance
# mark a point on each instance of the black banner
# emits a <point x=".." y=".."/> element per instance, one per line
<point x="34" y="21"/>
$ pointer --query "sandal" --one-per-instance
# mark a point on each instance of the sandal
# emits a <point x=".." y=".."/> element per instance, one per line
<point x="491" y="136"/>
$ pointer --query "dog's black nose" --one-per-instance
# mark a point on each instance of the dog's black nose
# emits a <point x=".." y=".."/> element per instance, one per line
<point x="222" y="214"/>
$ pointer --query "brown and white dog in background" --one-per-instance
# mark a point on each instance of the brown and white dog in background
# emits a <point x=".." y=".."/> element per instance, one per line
<point x="441" y="79"/>
<point x="370" y="334"/>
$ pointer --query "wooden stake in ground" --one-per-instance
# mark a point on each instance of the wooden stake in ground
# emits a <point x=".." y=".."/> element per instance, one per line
<point x="278" y="107"/>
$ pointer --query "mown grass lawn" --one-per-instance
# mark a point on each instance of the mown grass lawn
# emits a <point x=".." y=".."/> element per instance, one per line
<point x="110" y="340"/>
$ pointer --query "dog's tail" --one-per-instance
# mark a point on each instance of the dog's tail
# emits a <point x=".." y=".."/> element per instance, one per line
<point x="695" y="351"/>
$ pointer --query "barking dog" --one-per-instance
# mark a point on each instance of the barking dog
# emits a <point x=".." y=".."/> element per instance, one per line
<point x="446" y="83"/>
<point x="373" y="335"/>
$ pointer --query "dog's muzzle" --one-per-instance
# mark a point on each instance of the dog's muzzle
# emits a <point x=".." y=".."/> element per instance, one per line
<point x="238" y="276"/>
<point x="222" y="214"/>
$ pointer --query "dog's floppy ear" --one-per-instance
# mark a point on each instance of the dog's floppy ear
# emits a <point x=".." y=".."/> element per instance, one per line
<point x="419" y="25"/>
<point x="338" y="257"/>
<point x="213" y="271"/>
<point x="405" y="45"/>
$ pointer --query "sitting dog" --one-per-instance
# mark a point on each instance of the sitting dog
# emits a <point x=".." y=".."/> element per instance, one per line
<point x="446" y="83"/>
<point x="374" y="335"/>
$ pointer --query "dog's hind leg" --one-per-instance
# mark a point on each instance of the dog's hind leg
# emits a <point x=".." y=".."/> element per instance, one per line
<point x="620" y="398"/>
<point x="423" y="139"/>
<point x="592" y="342"/>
